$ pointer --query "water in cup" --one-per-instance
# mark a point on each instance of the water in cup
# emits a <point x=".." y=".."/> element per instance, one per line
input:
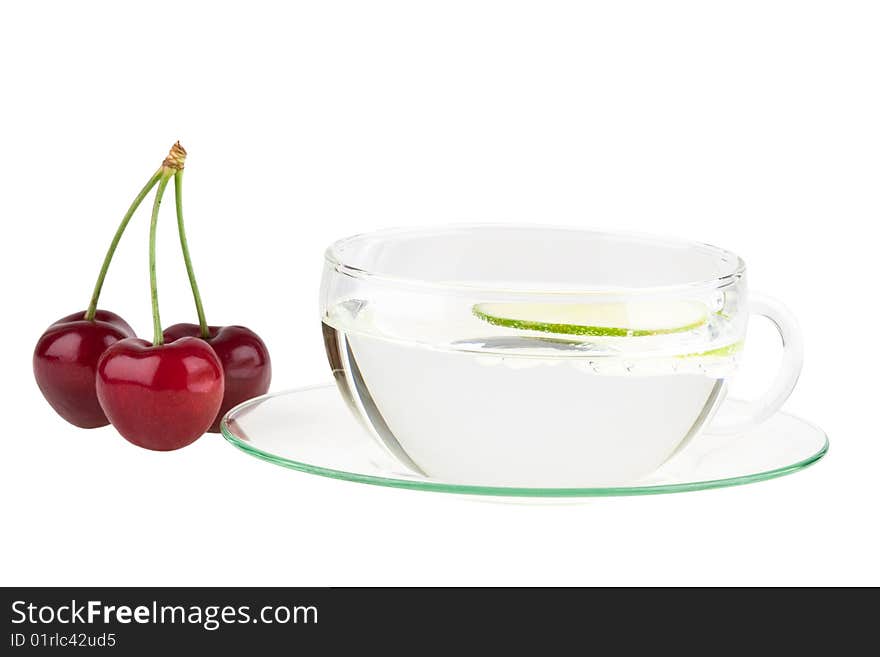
<point x="548" y="394"/>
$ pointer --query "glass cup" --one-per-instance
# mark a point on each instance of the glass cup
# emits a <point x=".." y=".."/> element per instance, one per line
<point x="516" y="355"/>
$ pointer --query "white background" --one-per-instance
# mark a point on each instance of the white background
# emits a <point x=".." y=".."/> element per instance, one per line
<point x="751" y="125"/>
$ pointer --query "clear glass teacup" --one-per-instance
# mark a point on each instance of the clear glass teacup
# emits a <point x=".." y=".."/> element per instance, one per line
<point x="516" y="355"/>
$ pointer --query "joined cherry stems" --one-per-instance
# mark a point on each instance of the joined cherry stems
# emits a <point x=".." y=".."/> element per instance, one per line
<point x="172" y="166"/>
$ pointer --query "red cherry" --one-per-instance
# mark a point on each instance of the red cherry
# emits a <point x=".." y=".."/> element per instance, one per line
<point x="247" y="368"/>
<point x="160" y="397"/>
<point x="66" y="360"/>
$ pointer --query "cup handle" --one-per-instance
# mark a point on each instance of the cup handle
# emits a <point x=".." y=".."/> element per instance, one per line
<point x="789" y="370"/>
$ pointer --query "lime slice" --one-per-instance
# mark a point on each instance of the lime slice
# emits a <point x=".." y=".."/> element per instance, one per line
<point x="608" y="319"/>
<point x="721" y="352"/>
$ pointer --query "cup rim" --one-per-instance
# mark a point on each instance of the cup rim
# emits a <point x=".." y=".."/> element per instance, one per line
<point x="333" y="258"/>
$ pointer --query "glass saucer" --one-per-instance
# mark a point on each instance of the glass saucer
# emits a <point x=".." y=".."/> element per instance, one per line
<point x="312" y="430"/>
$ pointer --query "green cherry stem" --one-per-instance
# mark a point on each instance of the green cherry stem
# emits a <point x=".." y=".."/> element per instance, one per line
<point x="93" y="303"/>
<point x="154" y="293"/>
<point x="178" y="198"/>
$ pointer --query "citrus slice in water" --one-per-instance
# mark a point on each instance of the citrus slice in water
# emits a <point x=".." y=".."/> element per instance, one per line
<point x="608" y="319"/>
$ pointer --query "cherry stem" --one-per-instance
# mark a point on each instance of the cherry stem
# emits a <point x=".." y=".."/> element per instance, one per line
<point x="93" y="303"/>
<point x="165" y="175"/>
<point x="178" y="198"/>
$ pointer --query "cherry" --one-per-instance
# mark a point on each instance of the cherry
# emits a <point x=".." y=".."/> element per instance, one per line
<point x="244" y="356"/>
<point x="66" y="360"/>
<point x="161" y="397"/>
<point x="247" y="369"/>
<point x="66" y="356"/>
